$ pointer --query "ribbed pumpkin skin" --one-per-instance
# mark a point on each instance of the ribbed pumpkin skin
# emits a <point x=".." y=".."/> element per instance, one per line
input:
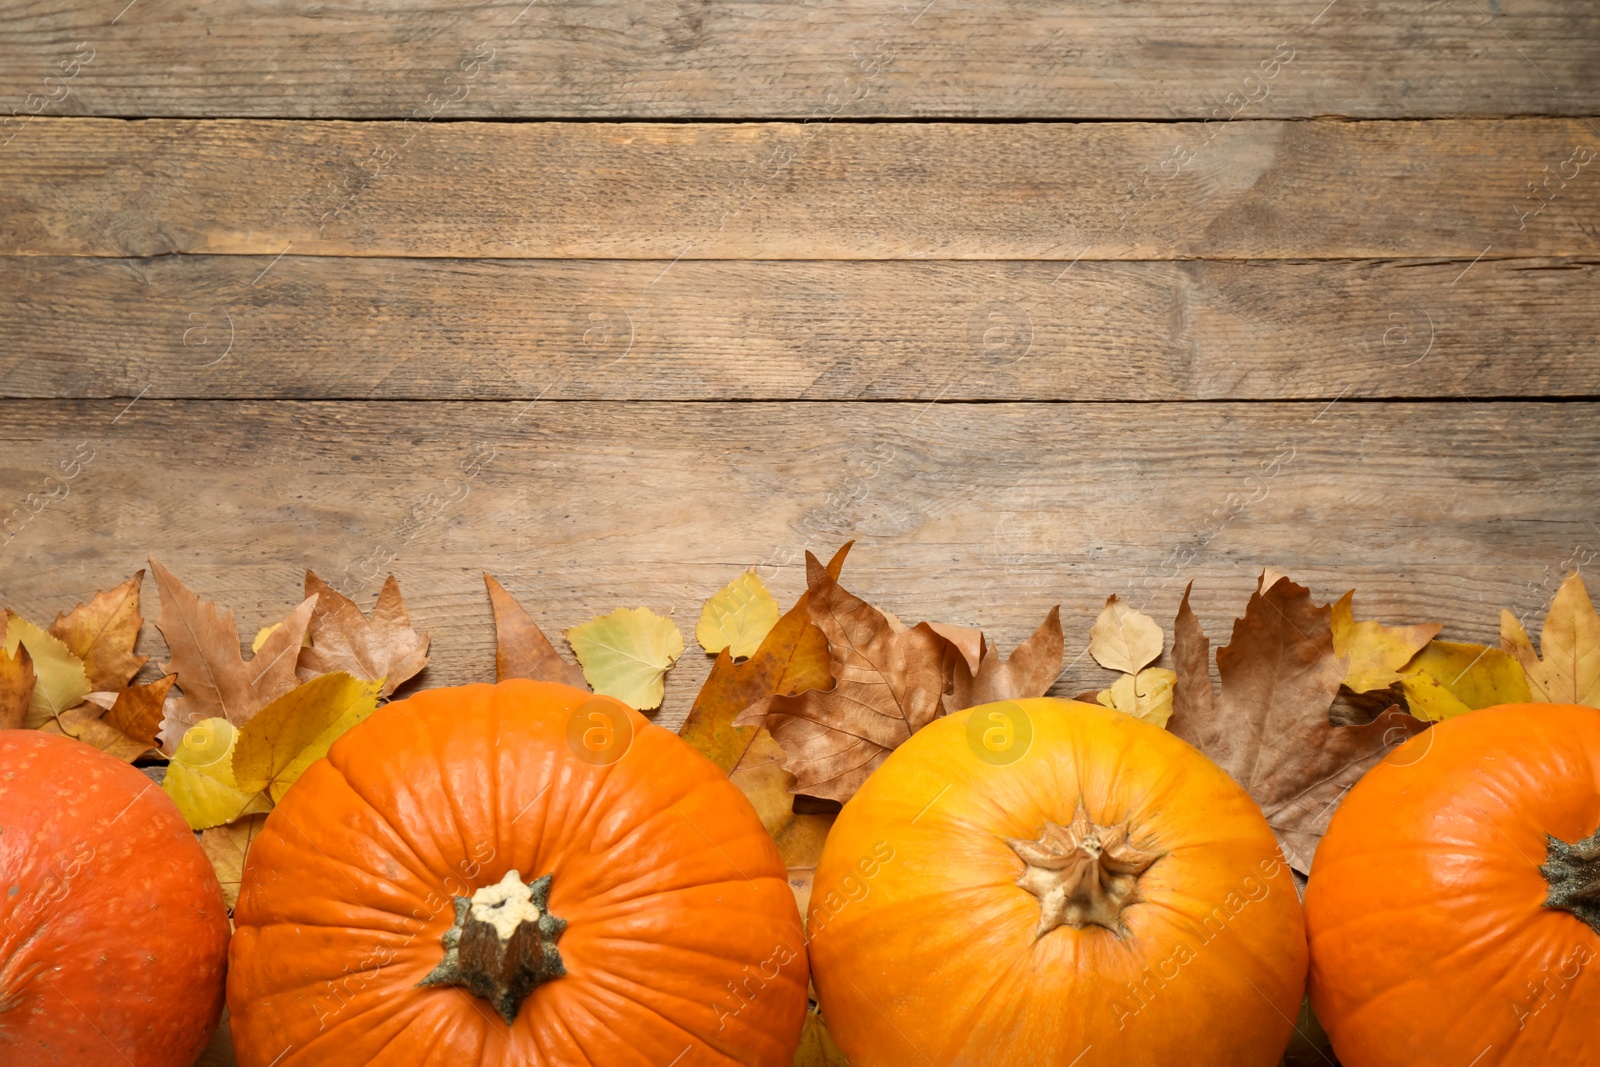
<point x="1429" y="941"/>
<point x="113" y="934"/>
<point x="673" y="894"/>
<point x="929" y="956"/>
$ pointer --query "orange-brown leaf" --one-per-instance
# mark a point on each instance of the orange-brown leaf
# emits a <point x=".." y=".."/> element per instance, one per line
<point x="88" y="723"/>
<point x="102" y="633"/>
<point x="16" y="683"/>
<point x="1030" y="670"/>
<point x="521" y="650"/>
<point x="138" y="710"/>
<point x="1269" y="727"/>
<point x="342" y="639"/>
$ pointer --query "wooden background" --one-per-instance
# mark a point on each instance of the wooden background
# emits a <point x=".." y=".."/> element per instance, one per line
<point x="1036" y="301"/>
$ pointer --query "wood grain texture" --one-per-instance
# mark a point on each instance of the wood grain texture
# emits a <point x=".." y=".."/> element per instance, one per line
<point x="1315" y="190"/>
<point x="756" y="58"/>
<point x="317" y="327"/>
<point x="977" y="514"/>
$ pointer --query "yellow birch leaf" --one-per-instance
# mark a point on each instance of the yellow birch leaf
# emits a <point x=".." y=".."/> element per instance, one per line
<point x="626" y="654"/>
<point x="1449" y="678"/>
<point x="227" y="847"/>
<point x="1377" y="653"/>
<point x="1123" y="639"/>
<point x="200" y="777"/>
<point x="738" y="617"/>
<point x="1567" y="668"/>
<point x="59" y="679"/>
<point x="284" y="738"/>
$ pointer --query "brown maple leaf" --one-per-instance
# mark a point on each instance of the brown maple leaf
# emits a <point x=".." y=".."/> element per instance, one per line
<point x="342" y="639"/>
<point x="1031" y="669"/>
<point x="521" y="649"/>
<point x="102" y="633"/>
<point x="16" y="683"/>
<point x="215" y="678"/>
<point x="888" y="685"/>
<point x="1269" y="727"/>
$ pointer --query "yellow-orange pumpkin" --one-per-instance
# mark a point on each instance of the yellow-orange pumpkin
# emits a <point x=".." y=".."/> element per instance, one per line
<point x="517" y="874"/>
<point x="1454" y="905"/>
<point x="1023" y="882"/>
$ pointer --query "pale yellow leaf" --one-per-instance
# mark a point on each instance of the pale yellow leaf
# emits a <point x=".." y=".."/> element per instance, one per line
<point x="59" y="679"/>
<point x="627" y="653"/>
<point x="1123" y="639"/>
<point x="738" y="617"/>
<point x="262" y="635"/>
<point x="1566" y="669"/>
<point x="1376" y="653"/>
<point x="284" y="738"/>
<point x="1146" y="696"/>
<point x="200" y="777"/>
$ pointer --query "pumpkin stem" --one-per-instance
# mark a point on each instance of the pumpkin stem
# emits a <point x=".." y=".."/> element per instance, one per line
<point x="1082" y="874"/>
<point x="1573" y="872"/>
<point x="503" y="943"/>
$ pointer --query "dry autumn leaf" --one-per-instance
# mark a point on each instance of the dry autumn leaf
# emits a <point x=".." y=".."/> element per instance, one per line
<point x="284" y="738"/>
<point x="1124" y="639"/>
<point x="214" y="677"/>
<point x="342" y="639"/>
<point x="102" y="634"/>
<point x="16" y="683"/>
<point x="627" y="653"/>
<point x="737" y="617"/>
<point x="1269" y="726"/>
<point x="1031" y="669"/>
<point x="138" y="709"/>
<point x="1566" y="669"/>
<point x="1448" y="678"/>
<point x="87" y="723"/>
<point x="1147" y="696"/>
<point x="888" y="684"/>
<point x="521" y="649"/>
<point x="59" y="680"/>
<point x="817" y="1047"/>
<point x="1376" y="653"/>
<point x="200" y="777"/>
<point x="227" y="848"/>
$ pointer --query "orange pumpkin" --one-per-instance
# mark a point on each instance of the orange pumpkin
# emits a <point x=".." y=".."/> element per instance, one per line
<point x="1454" y="905"/>
<point x="514" y="874"/>
<point x="113" y="934"/>
<point x="1024" y="881"/>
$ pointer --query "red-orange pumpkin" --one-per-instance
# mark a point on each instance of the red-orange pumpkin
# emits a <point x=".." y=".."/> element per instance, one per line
<point x="113" y="934"/>
<point x="1454" y="905"/>
<point x="517" y="874"/>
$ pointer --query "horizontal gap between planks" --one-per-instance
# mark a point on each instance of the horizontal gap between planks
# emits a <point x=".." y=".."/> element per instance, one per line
<point x="1339" y="398"/>
<point x="854" y="120"/>
<point x="1569" y="262"/>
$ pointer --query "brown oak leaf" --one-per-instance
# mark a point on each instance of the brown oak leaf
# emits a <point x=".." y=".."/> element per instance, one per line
<point x="342" y="639"/>
<point x="1031" y="669"/>
<point x="888" y="684"/>
<point x="1269" y="727"/>
<point x="102" y="633"/>
<point x="214" y="676"/>
<point x="521" y="649"/>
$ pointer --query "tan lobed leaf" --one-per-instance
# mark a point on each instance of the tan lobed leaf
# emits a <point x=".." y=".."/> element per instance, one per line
<point x="200" y="777"/>
<point x="1031" y="669"/>
<point x="1566" y="670"/>
<point x="1146" y="696"/>
<point x="1124" y="639"/>
<point x="16" y="682"/>
<point x="967" y="642"/>
<point x="59" y="680"/>
<point x="1269" y="726"/>
<point x="770" y="789"/>
<point x="1376" y="652"/>
<point x="102" y="634"/>
<point x="737" y="617"/>
<point x="284" y="738"/>
<point x="626" y="654"/>
<point x="888" y="684"/>
<point x="521" y="649"/>
<point x="342" y="639"/>
<point x="1448" y="678"/>
<point x="792" y="658"/>
<point x="87" y="723"/>
<point x="227" y="848"/>
<point x="817" y="1047"/>
<point x="215" y="678"/>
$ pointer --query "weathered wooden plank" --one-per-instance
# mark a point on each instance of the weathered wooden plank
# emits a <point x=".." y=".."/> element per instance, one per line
<point x="322" y="327"/>
<point x="795" y="191"/>
<point x="746" y="58"/>
<point x="972" y="513"/>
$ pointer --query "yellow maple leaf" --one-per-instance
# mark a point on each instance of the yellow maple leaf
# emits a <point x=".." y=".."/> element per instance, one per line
<point x="284" y="738"/>
<point x="1146" y="696"/>
<point x="1449" y="678"/>
<point x="200" y="777"/>
<point x="1377" y="653"/>
<point x="60" y="681"/>
<point x="627" y="653"/>
<point x="738" y="617"/>
<point x="1569" y="670"/>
